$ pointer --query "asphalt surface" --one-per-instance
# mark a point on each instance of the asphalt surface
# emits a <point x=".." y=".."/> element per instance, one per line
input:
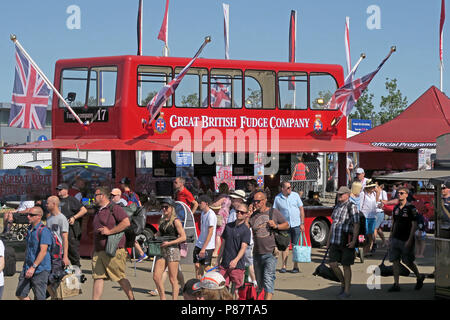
<point x="288" y="286"/>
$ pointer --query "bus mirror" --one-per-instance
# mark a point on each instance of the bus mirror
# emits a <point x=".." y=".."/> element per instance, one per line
<point x="71" y="96"/>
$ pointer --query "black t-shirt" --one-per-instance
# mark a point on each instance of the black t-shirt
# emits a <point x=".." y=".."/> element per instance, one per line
<point x="234" y="236"/>
<point x="69" y="206"/>
<point x="403" y="220"/>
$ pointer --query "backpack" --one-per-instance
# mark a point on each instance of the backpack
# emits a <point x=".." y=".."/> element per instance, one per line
<point x="137" y="222"/>
<point x="282" y="238"/>
<point x="10" y="262"/>
<point x="56" y="256"/>
<point x="362" y="220"/>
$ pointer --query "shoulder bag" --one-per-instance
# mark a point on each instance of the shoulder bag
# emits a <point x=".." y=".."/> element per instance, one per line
<point x="282" y="238"/>
<point x="300" y="252"/>
<point x="113" y="239"/>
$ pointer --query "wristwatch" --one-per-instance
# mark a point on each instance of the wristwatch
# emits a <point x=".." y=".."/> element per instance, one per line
<point x="35" y="265"/>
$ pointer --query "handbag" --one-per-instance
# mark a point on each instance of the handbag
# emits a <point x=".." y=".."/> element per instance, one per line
<point x="183" y="250"/>
<point x="325" y="271"/>
<point x="282" y="237"/>
<point x="388" y="271"/>
<point x="154" y="248"/>
<point x="112" y="243"/>
<point x="300" y="252"/>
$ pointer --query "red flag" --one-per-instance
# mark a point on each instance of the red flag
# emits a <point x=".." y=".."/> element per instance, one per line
<point x="441" y="30"/>
<point x="163" y="33"/>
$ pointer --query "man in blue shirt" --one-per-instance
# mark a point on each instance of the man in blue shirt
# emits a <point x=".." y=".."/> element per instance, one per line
<point x="291" y="206"/>
<point x="37" y="264"/>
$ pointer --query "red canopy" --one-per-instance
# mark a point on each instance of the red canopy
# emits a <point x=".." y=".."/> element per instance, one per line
<point x="418" y="126"/>
<point x="281" y="145"/>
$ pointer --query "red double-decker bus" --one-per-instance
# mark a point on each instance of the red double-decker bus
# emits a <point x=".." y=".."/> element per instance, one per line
<point x="262" y="110"/>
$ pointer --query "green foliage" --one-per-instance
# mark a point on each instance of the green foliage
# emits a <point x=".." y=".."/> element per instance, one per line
<point x="393" y="104"/>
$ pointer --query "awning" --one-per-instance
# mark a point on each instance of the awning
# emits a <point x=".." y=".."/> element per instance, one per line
<point x="420" y="175"/>
<point x="148" y="144"/>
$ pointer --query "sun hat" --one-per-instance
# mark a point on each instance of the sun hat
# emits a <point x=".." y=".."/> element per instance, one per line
<point x="370" y="184"/>
<point x="238" y="194"/>
<point x="211" y="280"/>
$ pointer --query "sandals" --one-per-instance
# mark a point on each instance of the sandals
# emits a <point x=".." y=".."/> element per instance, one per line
<point x="153" y="292"/>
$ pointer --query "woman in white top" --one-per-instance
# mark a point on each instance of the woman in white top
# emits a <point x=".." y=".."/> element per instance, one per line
<point x="368" y="204"/>
<point x="380" y="216"/>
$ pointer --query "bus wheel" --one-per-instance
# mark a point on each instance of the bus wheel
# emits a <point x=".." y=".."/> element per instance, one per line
<point x="144" y="238"/>
<point x="319" y="233"/>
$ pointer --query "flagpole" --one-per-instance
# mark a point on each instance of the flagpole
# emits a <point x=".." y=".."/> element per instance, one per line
<point x="363" y="56"/>
<point x="16" y="42"/>
<point x="442" y="76"/>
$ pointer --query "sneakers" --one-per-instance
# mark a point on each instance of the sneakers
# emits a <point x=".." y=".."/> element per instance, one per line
<point x="419" y="282"/>
<point x="394" y="288"/>
<point x="142" y="258"/>
<point x="283" y="270"/>
<point x="295" y="270"/>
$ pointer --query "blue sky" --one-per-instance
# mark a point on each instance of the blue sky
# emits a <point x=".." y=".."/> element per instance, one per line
<point x="258" y="31"/>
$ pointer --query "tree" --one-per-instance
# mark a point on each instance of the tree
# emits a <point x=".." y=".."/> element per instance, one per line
<point x="393" y="104"/>
<point x="364" y="108"/>
<point x="191" y="100"/>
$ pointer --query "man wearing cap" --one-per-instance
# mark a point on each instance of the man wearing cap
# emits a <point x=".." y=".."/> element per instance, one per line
<point x="360" y="176"/>
<point x="74" y="211"/>
<point x="342" y="239"/>
<point x="212" y="286"/>
<point x="237" y="198"/>
<point x="192" y="290"/>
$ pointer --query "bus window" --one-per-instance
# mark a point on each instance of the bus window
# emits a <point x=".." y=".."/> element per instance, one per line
<point x="322" y="88"/>
<point x="293" y="90"/>
<point x="193" y="90"/>
<point x="102" y="86"/>
<point x="150" y="80"/>
<point x="226" y="88"/>
<point x="259" y="89"/>
<point x="74" y="80"/>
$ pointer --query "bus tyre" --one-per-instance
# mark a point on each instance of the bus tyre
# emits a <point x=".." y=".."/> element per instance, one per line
<point x="319" y="233"/>
<point x="144" y="238"/>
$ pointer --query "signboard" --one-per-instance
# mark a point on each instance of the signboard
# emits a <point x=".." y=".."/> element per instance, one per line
<point x="184" y="159"/>
<point x="361" y="125"/>
<point x="94" y="114"/>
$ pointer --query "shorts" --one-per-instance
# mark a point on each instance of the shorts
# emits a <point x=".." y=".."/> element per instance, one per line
<point x="109" y="268"/>
<point x="37" y="283"/>
<point x="341" y="254"/>
<point x="208" y="256"/>
<point x="235" y="276"/>
<point x="170" y="254"/>
<point x="294" y="233"/>
<point x="370" y="225"/>
<point x="420" y="234"/>
<point x="398" y="250"/>
<point x="379" y="219"/>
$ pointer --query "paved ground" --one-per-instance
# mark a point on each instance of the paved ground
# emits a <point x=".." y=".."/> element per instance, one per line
<point x="301" y="286"/>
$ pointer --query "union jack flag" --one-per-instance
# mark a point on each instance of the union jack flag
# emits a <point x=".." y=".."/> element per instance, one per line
<point x="346" y="96"/>
<point x="30" y="96"/>
<point x="155" y="105"/>
<point x="220" y="96"/>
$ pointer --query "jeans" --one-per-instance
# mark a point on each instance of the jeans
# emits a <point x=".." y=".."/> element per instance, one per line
<point x="265" y="267"/>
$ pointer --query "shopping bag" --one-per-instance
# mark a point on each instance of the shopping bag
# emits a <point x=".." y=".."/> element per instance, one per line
<point x="250" y="292"/>
<point x="300" y="252"/>
<point x="183" y="250"/>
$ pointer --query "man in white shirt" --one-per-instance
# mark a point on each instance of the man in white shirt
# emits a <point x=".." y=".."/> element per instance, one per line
<point x="205" y="244"/>
<point x="360" y="177"/>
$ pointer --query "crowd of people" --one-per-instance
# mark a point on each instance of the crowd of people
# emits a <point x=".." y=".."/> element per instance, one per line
<point x="236" y="244"/>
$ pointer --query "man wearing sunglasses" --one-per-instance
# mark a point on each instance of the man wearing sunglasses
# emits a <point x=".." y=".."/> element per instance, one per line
<point x="265" y="250"/>
<point x="37" y="264"/>
<point x="291" y="206"/>
<point x="401" y="240"/>
<point x="236" y="237"/>
<point x="110" y="219"/>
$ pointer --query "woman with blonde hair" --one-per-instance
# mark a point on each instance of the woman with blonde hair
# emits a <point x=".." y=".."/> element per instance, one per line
<point x="170" y="227"/>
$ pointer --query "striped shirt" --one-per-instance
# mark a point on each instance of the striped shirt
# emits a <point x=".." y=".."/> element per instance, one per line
<point x="343" y="221"/>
